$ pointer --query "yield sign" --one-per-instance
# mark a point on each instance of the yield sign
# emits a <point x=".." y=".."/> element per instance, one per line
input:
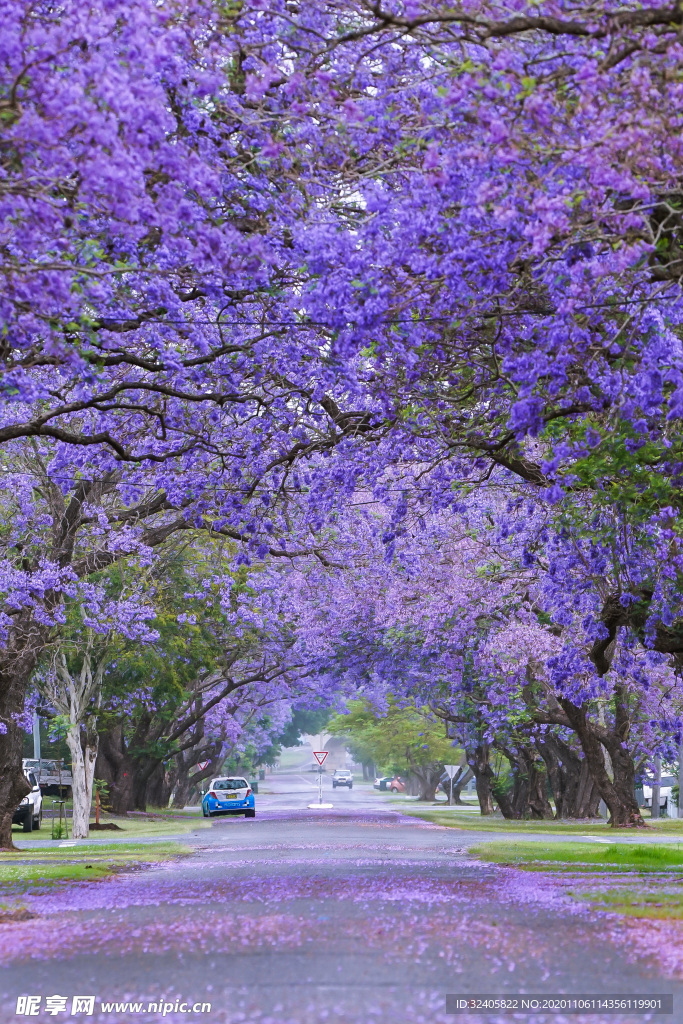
<point x="320" y="755"/>
<point x="202" y="765"/>
<point x="451" y="769"/>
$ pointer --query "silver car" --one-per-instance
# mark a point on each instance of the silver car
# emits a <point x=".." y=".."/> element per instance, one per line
<point x="342" y="777"/>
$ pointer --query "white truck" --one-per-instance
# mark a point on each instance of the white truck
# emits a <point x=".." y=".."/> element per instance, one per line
<point x="29" y="813"/>
<point x="54" y="777"/>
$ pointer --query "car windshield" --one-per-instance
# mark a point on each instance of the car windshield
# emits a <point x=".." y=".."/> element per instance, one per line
<point x="230" y="784"/>
<point x="343" y="772"/>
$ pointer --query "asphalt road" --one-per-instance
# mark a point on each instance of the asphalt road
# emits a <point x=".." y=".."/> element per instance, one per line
<point x="354" y="915"/>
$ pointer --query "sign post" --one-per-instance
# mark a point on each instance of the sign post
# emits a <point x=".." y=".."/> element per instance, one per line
<point x="320" y="756"/>
<point x="451" y="769"/>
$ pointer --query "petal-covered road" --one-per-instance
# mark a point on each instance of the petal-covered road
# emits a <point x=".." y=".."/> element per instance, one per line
<point x="305" y="917"/>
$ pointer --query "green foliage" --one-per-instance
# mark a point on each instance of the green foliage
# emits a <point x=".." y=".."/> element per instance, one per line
<point x="303" y="722"/>
<point x="404" y="737"/>
<point x="195" y="641"/>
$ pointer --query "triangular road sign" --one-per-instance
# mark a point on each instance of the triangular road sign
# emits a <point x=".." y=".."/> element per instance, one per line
<point x="202" y="765"/>
<point x="320" y="755"/>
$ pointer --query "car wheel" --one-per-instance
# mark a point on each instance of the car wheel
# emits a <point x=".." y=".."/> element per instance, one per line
<point x="37" y="822"/>
<point x="250" y="813"/>
<point x="28" y="822"/>
<point x="334" y="785"/>
<point x="394" y="789"/>
<point x="351" y="786"/>
<point x="205" y="812"/>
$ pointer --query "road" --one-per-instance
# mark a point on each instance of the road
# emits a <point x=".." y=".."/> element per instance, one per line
<point x="355" y="915"/>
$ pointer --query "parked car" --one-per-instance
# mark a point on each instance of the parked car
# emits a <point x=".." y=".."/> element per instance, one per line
<point x="54" y="777"/>
<point x="315" y="767"/>
<point x="229" y="795"/>
<point x="382" y="782"/>
<point x="342" y="777"/>
<point x="397" y="785"/>
<point x="29" y="813"/>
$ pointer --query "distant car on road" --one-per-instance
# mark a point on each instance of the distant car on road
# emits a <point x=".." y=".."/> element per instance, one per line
<point x="342" y="777"/>
<point x="315" y="767"/>
<point x="382" y="782"/>
<point x="29" y="813"/>
<point x="229" y="795"/>
<point x="397" y="785"/>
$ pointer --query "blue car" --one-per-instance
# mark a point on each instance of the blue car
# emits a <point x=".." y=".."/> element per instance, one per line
<point x="229" y="795"/>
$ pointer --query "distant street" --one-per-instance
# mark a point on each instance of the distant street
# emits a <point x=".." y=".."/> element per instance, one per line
<point x="348" y="916"/>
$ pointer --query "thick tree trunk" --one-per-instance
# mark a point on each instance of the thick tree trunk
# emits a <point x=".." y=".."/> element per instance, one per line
<point x="428" y="778"/>
<point x="151" y="794"/>
<point x="528" y="797"/>
<point x="574" y="790"/>
<point x="83" y="758"/>
<point x="537" y="798"/>
<point x="14" y="676"/>
<point x="13" y="783"/>
<point x="181" y="793"/>
<point x="619" y="793"/>
<point x="478" y="760"/>
<point x="114" y="765"/>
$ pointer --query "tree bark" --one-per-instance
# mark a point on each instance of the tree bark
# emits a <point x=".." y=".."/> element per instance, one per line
<point x="115" y="767"/>
<point x="427" y="778"/>
<point x="574" y="790"/>
<point x="529" y="795"/>
<point x="619" y="793"/>
<point x="13" y="783"/>
<point x="83" y="758"/>
<point x="478" y="760"/>
<point x="16" y="666"/>
<point x="458" y="786"/>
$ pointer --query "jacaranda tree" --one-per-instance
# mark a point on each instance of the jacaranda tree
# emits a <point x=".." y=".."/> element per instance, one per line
<point x="256" y="258"/>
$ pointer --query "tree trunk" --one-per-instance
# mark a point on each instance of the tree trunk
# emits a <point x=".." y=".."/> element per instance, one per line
<point x="478" y="760"/>
<point x="428" y="778"/>
<point x="14" y="676"/>
<point x="460" y="785"/>
<point x="528" y="797"/>
<point x="114" y="765"/>
<point x="83" y="758"/>
<point x="13" y="783"/>
<point x="181" y="793"/>
<point x="152" y="793"/>
<point x="619" y="793"/>
<point x="574" y="790"/>
<point x="537" y="798"/>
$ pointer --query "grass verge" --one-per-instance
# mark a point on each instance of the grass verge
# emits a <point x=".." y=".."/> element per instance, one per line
<point x="455" y="818"/>
<point x="25" y="871"/>
<point x="130" y="828"/>
<point x="631" y="880"/>
<point x="580" y="856"/>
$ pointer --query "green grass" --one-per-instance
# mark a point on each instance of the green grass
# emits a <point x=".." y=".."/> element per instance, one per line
<point x="582" y="856"/>
<point x="642" y="881"/>
<point x="22" y="871"/>
<point x="131" y="828"/>
<point x="633" y="902"/>
<point x="459" y="818"/>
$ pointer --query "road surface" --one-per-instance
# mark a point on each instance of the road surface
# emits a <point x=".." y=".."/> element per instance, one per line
<point x="356" y="915"/>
